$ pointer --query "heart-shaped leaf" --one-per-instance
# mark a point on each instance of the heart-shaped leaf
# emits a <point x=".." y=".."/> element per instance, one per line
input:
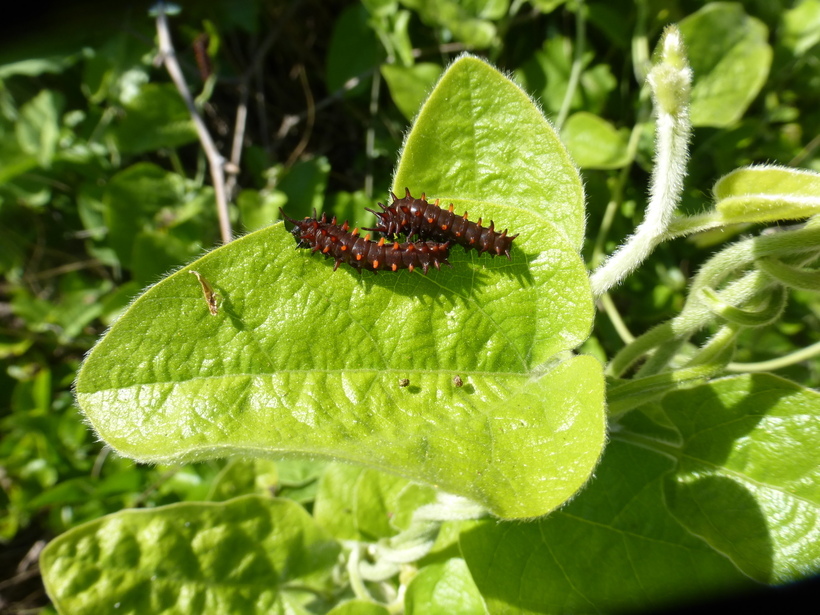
<point x="452" y="379"/>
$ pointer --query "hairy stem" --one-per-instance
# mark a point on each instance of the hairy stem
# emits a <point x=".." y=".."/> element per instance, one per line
<point x="671" y="82"/>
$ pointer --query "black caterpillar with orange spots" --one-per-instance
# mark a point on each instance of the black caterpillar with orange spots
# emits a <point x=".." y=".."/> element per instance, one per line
<point x="345" y="246"/>
<point x="430" y="222"/>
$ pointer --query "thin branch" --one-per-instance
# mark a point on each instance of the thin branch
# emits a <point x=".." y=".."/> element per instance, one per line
<point x="311" y="118"/>
<point x="215" y="160"/>
<point x="371" y="133"/>
<point x="805" y="152"/>
<point x="290" y="121"/>
<point x="232" y="168"/>
<point x="615" y="317"/>
<point x="67" y="268"/>
<point x="577" y="65"/>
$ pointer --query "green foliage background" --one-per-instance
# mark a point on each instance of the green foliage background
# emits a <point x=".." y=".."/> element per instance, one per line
<point x="104" y="189"/>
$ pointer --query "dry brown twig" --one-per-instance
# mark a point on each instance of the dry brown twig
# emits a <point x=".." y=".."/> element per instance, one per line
<point x="216" y="162"/>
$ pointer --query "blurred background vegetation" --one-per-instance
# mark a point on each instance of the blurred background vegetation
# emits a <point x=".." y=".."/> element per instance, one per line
<point x="104" y="186"/>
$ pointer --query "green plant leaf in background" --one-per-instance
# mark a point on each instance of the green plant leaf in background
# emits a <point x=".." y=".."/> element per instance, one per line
<point x="133" y="197"/>
<point x="469" y="22"/>
<point x="767" y="194"/>
<point x="730" y="59"/>
<point x="547" y="6"/>
<point x="302" y="359"/>
<point x="359" y="607"/>
<point x="243" y="477"/>
<point x="444" y="588"/>
<point x="353" y="51"/>
<point x="259" y="208"/>
<point x="355" y="503"/>
<point x="801" y="26"/>
<point x="248" y="555"/>
<point x="35" y="67"/>
<point x="546" y="75"/>
<point x="595" y="143"/>
<point x="38" y="128"/>
<point x="304" y="186"/>
<point x="351" y="206"/>
<point x="409" y="85"/>
<point x="116" y="72"/>
<point x="156" y="117"/>
<point x="748" y="480"/>
<point x="156" y="220"/>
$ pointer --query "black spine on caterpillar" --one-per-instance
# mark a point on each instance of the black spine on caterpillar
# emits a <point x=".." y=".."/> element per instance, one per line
<point x="345" y="246"/>
<point x="429" y="221"/>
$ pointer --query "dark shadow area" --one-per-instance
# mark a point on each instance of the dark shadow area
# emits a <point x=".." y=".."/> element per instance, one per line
<point x="792" y="598"/>
<point x="707" y="414"/>
<point x="727" y="516"/>
<point x="226" y="306"/>
<point x="467" y="275"/>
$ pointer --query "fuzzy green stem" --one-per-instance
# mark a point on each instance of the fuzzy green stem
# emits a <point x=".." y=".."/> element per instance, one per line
<point x="804" y="354"/>
<point x="671" y="84"/>
<point x="615" y="317"/>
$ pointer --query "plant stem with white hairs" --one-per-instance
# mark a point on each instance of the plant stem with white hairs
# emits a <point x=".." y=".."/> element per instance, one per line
<point x="671" y="81"/>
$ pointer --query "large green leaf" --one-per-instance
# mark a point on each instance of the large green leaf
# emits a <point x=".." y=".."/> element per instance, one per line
<point x="749" y="476"/>
<point x="614" y="548"/>
<point x="715" y="484"/>
<point x="302" y="359"/>
<point x="730" y="58"/>
<point x="248" y="555"/>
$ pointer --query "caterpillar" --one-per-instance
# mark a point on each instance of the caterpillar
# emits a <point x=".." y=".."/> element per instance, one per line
<point x="348" y="247"/>
<point x="429" y="221"/>
<point x="203" y="60"/>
